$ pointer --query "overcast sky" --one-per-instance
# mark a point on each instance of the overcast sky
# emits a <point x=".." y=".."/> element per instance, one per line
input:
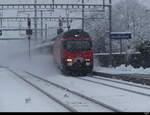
<point x="145" y="2"/>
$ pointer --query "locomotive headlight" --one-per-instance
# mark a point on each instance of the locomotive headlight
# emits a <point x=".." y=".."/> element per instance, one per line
<point x="69" y="60"/>
<point x="87" y="60"/>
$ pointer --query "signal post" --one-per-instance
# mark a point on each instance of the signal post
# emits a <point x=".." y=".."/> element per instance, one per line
<point x="29" y="33"/>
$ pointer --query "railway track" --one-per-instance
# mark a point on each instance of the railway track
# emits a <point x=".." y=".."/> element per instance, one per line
<point x="121" y="82"/>
<point x="67" y="107"/>
<point x="89" y="102"/>
<point x="135" y="78"/>
<point x="108" y="83"/>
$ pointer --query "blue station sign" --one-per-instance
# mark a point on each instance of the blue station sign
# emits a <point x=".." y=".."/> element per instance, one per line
<point x="121" y="35"/>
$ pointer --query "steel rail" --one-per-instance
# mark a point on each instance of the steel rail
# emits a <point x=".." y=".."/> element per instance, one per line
<point x="104" y="84"/>
<point x="76" y="93"/>
<point x="124" y="83"/>
<point x="45" y="93"/>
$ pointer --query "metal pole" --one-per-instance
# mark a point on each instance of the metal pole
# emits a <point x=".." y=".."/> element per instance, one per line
<point x="103" y="4"/>
<point x="45" y="32"/>
<point x="67" y="15"/>
<point x="82" y="15"/>
<point x="1" y="23"/>
<point x="1" y="19"/>
<point x="120" y="46"/>
<point x="35" y="20"/>
<point x="29" y="47"/>
<point x="110" y="30"/>
<point x="53" y="4"/>
<point x="41" y="25"/>
<point x="29" y="37"/>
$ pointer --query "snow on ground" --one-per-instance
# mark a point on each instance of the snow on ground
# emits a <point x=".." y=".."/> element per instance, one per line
<point x="123" y="70"/>
<point x="16" y="96"/>
<point x="125" y="101"/>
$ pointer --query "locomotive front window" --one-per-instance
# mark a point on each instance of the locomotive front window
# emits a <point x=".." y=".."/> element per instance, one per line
<point x="77" y="45"/>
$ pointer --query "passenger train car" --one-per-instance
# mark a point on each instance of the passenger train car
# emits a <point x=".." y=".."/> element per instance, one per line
<point x="72" y="52"/>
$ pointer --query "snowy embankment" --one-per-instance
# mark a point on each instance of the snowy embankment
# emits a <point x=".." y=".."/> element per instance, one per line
<point x="120" y="69"/>
<point x="123" y="70"/>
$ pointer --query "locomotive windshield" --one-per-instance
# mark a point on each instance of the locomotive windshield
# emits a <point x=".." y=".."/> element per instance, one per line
<point x="74" y="45"/>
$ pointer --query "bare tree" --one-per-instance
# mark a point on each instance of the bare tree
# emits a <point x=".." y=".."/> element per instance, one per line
<point x="130" y="15"/>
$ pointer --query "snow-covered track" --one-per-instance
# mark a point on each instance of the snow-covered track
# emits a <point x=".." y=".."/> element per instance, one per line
<point x="101" y="104"/>
<point x="120" y="82"/>
<point x="135" y="78"/>
<point x="95" y="80"/>
<point x="67" y="107"/>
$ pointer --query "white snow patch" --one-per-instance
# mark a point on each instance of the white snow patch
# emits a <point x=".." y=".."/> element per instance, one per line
<point x="122" y="69"/>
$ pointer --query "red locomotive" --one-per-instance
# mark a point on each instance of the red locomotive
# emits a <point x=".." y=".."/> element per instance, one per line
<point x="72" y="52"/>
